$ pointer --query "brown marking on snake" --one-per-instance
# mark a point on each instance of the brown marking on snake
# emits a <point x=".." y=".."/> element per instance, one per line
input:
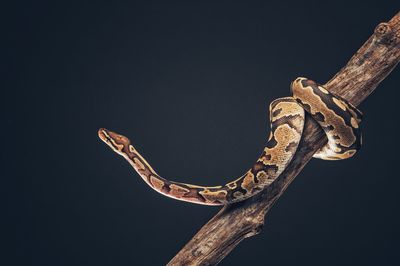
<point x="193" y="195"/>
<point x="157" y="183"/>
<point x="248" y="182"/>
<point x="138" y="164"/>
<point x="178" y="191"/>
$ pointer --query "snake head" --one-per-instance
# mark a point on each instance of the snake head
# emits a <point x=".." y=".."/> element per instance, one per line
<point x="117" y="142"/>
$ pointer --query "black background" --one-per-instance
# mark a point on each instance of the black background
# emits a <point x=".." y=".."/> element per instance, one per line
<point x="190" y="84"/>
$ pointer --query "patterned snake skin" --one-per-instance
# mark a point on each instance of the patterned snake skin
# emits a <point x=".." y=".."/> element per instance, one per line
<point x="339" y="119"/>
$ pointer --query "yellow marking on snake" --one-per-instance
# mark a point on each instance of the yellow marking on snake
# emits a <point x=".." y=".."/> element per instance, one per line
<point x="323" y="89"/>
<point x="354" y="122"/>
<point x="339" y="103"/>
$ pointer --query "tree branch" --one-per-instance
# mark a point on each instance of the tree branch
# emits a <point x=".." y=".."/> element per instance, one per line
<point x="358" y="79"/>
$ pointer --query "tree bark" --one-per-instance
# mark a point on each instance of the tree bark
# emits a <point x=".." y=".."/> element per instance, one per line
<point x="366" y="69"/>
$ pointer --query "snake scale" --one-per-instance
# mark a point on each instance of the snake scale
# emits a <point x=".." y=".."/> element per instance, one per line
<point x="338" y="118"/>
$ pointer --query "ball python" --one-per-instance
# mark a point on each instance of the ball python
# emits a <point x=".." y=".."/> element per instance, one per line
<point x="338" y="118"/>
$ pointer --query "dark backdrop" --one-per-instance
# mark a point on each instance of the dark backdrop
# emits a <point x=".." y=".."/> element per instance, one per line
<point x="190" y="83"/>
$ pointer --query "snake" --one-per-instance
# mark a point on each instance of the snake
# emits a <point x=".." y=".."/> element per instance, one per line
<point x="338" y="118"/>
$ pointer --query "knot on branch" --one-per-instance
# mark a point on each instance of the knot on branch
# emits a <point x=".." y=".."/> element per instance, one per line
<point x="382" y="29"/>
<point x="384" y="34"/>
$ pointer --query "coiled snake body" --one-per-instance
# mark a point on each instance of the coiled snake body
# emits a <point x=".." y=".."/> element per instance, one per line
<point x="339" y="119"/>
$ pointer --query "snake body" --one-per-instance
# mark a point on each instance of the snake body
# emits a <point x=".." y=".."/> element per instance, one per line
<point x="338" y="118"/>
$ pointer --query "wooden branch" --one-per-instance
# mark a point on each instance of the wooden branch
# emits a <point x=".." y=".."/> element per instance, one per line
<point x="362" y="74"/>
